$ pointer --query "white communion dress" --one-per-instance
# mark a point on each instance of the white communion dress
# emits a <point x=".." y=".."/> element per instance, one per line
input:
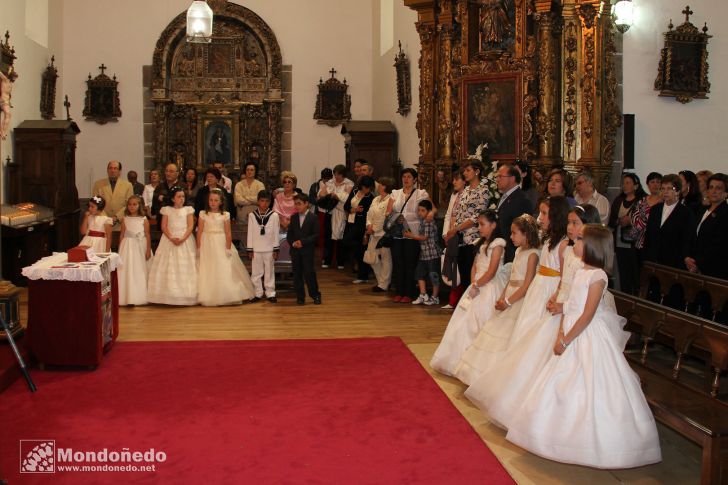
<point x="222" y="277"/>
<point x="468" y="319"/>
<point x="498" y="391"/>
<point x="493" y="337"/>
<point x="135" y="268"/>
<point x="173" y="275"/>
<point x="586" y="406"/>
<point x="96" y="224"/>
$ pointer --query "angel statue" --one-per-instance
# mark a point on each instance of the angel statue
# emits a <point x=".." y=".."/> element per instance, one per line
<point x="6" y="88"/>
<point x="493" y="22"/>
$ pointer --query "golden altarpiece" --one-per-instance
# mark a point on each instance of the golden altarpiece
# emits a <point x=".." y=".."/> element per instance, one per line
<point x="219" y="101"/>
<point x="534" y="79"/>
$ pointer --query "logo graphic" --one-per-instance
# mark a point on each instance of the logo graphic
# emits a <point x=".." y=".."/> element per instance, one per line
<point x="37" y="456"/>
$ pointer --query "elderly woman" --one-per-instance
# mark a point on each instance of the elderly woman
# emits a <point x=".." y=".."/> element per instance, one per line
<point x="246" y="192"/>
<point x="406" y="252"/>
<point x="283" y="204"/>
<point x="378" y="212"/>
<point x="707" y="254"/>
<point x="337" y="188"/>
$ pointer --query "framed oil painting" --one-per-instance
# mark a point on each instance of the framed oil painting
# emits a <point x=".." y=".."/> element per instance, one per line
<point x="218" y="140"/>
<point x="492" y="106"/>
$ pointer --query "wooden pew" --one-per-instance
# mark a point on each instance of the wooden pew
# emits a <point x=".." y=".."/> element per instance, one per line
<point x="691" y="283"/>
<point x="688" y="335"/>
<point x="696" y="415"/>
<point x="693" y="415"/>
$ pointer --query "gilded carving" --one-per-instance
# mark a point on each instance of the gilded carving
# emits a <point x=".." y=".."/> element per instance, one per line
<point x="424" y="117"/>
<point x="612" y="113"/>
<point x="234" y="80"/>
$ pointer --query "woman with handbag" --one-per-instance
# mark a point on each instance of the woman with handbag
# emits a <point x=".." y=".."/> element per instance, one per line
<point x="379" y="258"/>
<point x="450" y="273"/>
<point x="337" y="190"/>
<point x="405" y="252"/>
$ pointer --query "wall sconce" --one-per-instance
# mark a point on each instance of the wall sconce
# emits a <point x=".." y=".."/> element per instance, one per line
<point x="199" y="22"/>
<point x="623" y="15"/>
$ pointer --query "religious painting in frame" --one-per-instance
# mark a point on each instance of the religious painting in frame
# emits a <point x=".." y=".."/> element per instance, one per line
<point x="218" y="139"/>
<point x="492" y="107"/>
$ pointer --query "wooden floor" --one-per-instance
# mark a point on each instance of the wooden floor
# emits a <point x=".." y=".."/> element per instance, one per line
<point x="354" y="311"/>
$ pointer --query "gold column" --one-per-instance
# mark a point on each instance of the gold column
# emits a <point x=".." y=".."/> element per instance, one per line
<point x="548" y="126"/>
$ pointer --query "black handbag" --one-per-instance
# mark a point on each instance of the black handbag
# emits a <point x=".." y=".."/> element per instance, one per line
<point x="327" y="202"/>
<point x="392" y="228"/>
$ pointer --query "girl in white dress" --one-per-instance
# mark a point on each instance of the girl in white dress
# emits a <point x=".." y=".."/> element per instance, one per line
<point x="499" y="390"/>
<point x="493" y="337"/>
<point x="96" y="226"/>
<point x="173" y="275"/>
<point x="586" y="406"/>
<point x="222" y="279"/>
<point x="135" y="249"/>
<point x="489" y="277"/>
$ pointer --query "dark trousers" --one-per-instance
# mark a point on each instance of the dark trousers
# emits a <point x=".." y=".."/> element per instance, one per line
<point x="304" y="271"/>
<point x="354" y="240"/>
<point x="466" y="256"/>
<point x="628" y="265"/>
<point x="328" y="243"/>
<point x="405" y="254"/>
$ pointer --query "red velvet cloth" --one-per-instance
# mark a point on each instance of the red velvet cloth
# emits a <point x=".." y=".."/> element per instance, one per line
<point x="65" y="321"/>
<point x="308" y="411"/>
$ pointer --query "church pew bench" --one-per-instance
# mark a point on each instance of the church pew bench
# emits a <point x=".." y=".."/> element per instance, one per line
<point x="693" y="415"/>
<point x="691" y="284"/>
<point x="686" y="334"/>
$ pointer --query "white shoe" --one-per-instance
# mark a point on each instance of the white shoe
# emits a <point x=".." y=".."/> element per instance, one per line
<point x="339" y="267"/>
<point x="358" y="281"/>
<point x="421" y="299"/>
<point x="447" y="307"/>
<point x="433" y="300"/>
<point x="325" y="266"/>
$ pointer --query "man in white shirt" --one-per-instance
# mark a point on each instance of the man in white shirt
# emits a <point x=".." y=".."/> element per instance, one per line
<point x="585" y="193"/>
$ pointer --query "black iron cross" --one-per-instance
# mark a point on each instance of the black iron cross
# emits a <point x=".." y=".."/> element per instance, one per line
<point x="67" y="104"/>
<point x="102" y="67"/>
<point x="333" y="72"/>
<point x="687" y="13"/>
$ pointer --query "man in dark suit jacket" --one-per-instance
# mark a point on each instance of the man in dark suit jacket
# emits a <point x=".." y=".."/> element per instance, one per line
<point x="302" y="235"/>
<point x="171" y="178"/>
<point x="668" y="242"/>
<point x="707" y="254"/>
<point x="512" y="204"/>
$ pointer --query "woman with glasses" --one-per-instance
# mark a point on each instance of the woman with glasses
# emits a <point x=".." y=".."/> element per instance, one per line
<point x="670" y="227"/>
<point x="283" y="204"/>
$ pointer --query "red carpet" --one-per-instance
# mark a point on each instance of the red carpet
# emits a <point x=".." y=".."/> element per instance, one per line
<point x="307" y="411"/>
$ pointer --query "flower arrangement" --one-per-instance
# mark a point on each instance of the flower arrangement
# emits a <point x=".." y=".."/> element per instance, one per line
<point x="489" y="173"/>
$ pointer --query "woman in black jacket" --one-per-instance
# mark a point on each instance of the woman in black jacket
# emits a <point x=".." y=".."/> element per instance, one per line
<point x="356" y="207"/>
<point x="668" y="241"/>
<point x="708" y="251"/>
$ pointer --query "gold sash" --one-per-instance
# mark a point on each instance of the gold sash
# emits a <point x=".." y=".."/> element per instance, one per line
<point x="546" y="271"/>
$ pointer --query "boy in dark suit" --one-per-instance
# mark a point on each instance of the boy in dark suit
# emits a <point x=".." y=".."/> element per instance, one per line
<point x="302" y="236"/>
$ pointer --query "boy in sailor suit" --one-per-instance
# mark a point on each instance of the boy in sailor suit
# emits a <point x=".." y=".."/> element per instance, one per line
<point x="262" y="247"/>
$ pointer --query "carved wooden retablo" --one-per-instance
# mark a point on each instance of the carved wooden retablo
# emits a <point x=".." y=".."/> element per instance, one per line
<point x="219" y="101"/>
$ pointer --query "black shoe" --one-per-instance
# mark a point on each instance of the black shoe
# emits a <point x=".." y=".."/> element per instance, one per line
<point x="377" y="289"/>
<point x="255" y="299"/>
<point x="273" y="299"/>
<point x="300" y="302"/>
<point x="317" y="300"/>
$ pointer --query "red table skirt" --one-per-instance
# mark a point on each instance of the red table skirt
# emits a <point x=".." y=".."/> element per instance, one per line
<point x="65" y="321"/>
